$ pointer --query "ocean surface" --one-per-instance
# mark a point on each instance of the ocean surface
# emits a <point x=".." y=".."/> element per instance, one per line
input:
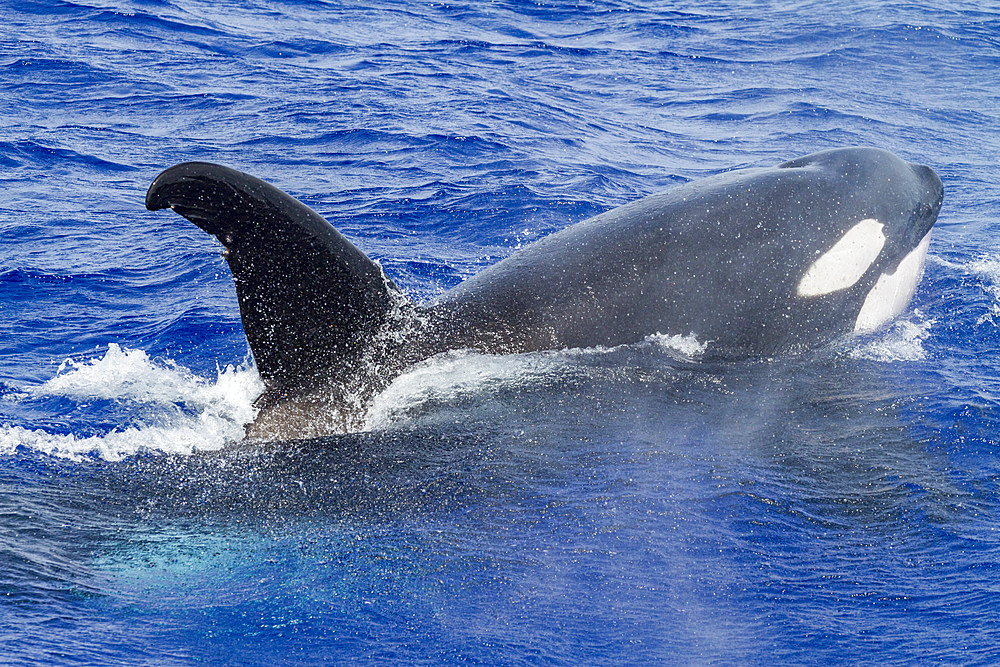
<point x="635" y="505"/>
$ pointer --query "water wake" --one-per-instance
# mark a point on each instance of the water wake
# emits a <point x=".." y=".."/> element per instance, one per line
<point x="154" y="405"/>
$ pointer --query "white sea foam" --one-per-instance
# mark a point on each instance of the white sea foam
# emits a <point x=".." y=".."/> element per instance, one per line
<point x="688" y="346"/>
<point x="168" y="408"/>
<point x="903" y="341"/>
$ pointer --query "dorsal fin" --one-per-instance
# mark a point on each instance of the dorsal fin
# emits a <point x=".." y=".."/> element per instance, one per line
<point x="312" y="303"/>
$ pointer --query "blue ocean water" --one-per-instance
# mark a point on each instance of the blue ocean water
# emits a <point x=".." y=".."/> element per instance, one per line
<point x="623" y="506"/>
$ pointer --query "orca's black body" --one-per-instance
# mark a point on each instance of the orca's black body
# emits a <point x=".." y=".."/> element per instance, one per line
<point x="752" y="262"/>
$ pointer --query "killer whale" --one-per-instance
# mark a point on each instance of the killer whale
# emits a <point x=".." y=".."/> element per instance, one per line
<point x="756" y="261"/>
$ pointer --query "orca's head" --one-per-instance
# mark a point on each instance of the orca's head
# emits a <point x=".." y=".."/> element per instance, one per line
<point x="877" y="255"/>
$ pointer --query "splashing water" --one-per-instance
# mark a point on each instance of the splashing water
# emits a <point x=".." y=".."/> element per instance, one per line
<point x="168" y="408"/>
<point x="685" y="346"/>
<point x="903" y="341"/>
<point x="165" y="408"/>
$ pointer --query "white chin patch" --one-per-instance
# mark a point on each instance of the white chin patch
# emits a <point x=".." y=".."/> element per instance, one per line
<point x="843" y="265"/>
<point x="893" y="291"/>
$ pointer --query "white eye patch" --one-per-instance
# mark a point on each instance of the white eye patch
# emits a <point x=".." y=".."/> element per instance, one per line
<point x="843" y="265"/>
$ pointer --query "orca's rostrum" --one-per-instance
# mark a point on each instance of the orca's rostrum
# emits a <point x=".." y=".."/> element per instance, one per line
<point x="751" y="262"/>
